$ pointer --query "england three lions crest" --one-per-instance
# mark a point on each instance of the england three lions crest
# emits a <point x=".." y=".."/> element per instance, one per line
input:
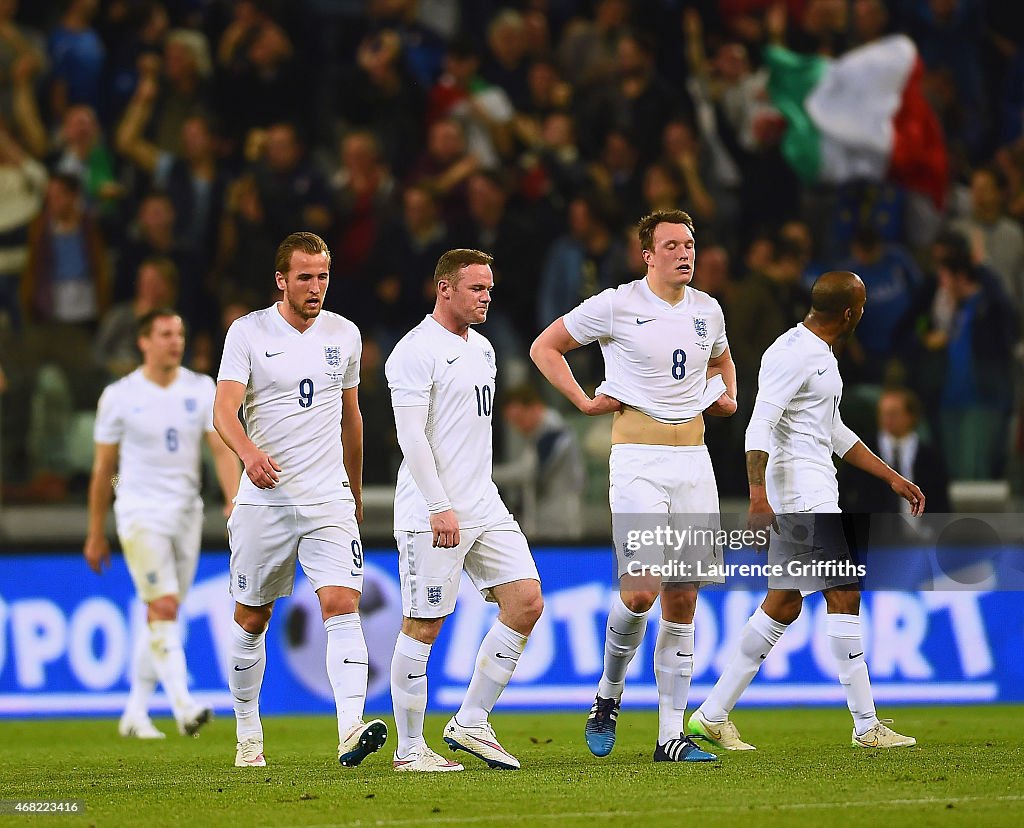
<point x="700" y="325"/>
<point x="332" y="353"/>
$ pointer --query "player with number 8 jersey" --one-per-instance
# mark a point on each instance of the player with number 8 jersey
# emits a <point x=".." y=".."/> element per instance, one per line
<point x="666" y="362"/>
<point x="293" y="369"/>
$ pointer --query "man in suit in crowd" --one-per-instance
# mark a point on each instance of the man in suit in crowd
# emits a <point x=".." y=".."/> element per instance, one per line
<point x="898" y="444"/>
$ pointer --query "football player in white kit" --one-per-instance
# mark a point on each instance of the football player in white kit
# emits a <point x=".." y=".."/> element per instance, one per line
<point x="294" y="369"/>
<point x="793" y="432"/>
<point x="449" y="517"/>
<point x="661" y="340"/>
<point x="149" y="431"/>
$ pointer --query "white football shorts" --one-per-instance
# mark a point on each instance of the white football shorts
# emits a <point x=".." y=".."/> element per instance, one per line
<point x="491" y="555"/>
<point x="162" y="564"/>
<point x="266" y="540"/>
<point x="665" y="513"/>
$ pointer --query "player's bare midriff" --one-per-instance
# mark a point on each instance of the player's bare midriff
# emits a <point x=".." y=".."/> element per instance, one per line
<point x="632" y="426"/>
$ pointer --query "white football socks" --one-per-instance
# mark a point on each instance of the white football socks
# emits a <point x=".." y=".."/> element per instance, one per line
<point x="759" y="635"/>
<point x="143" y="678"/>
<point x="409" y="692"/>
<point x="848" y="649"/>
<point x="248" y="662"/>
<point x="673" y="668"/>
<point x="623" y="635"/>
<point x="495" y="662"/>
<point x="168" y="658"/>
<point x="347" y="668"/>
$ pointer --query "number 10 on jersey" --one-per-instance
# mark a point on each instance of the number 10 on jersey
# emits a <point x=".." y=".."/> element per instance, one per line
<point x="483" y="400"/>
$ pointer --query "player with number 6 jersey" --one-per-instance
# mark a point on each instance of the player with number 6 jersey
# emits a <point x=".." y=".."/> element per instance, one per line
<point x="149" y="431"/>
<point x="666" y="362"/>
<point x="293" y="369"/>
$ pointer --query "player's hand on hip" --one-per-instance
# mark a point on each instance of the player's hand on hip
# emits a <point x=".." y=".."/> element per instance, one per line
<point x="601" y="404"/>
<point x="262" y="470"/>
<point x="910" y="492"/>
<point x="97" y="554"/>
<point x="445" y="527"/>
<point x="724" y="406"/>
<point x="759" y="518"/>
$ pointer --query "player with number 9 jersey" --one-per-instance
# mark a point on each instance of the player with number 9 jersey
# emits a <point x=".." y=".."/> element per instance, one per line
<point x="293" y="369"/>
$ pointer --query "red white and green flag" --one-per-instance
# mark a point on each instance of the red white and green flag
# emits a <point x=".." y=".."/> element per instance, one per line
<point x="862" y="116"/>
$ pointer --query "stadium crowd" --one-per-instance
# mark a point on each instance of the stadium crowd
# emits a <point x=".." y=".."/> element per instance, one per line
<point x="155" y="152"/>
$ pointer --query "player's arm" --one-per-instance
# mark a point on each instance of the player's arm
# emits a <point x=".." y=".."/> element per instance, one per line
<point x="411" y="425"/>
<point x="226" y="465"/>
<point x="352" y="444"/>
<point x="851" y="448"/>
<point x="757" y="441"/>
<point x="101" y="493"/>
<point x="723" y="365"/>
<point x="259" y="466"/>
<point x="548" y="354"/>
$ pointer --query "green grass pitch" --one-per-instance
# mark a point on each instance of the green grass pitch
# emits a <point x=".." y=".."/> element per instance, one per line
<point x="968" y="768"/>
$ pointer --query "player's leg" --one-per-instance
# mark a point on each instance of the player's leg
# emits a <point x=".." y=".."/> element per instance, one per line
<point x="186" y="559"/>
<point x="135" y="721"/>
<point x="248" y="662"/>
<point x="331" y="555"/>
<point x="430" y="581"/>
<point x="502" y="568"/>
<point x="762" y="631"/>
<point x="150" y="557"/>
<point x="673" y="669"/>
<point x="633" y="499"/>
<point x="842" y="625"/>
<point x="692" y="549"/>
<point x="263" y="542"/>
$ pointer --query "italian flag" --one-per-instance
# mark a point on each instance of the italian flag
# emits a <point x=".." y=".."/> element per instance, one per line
<point x="862" y="116"/>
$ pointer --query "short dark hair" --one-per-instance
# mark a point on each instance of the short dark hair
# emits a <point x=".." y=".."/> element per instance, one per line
<point x="910" y="400"/>
<point x="452" y="261"/>
<point x="302" y="241"/>
<point x="166" y="268"/>
<point x="525" y="394"/>
<point x="648" y="224"/>
<point x="72" y="183"/>
<point x="145" y="324"/>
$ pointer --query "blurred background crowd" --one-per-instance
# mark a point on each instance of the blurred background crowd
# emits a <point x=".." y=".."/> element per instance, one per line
<point x="155" y="152"/>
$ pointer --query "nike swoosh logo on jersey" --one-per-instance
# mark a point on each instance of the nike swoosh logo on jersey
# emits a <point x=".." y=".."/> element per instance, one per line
<point x="421" y="675"/>
<point x="822" y="371"/>
<point x="640" y="321"/>
<point x="351" y="661"/>
<point x="852" y="656"/>
<point x="450" y="361"/>
<point x="243" y="669"/>
<point x="276" y="353"/>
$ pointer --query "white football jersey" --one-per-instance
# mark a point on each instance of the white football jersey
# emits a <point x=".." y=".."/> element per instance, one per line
<point x="159" y="432"/>
<point x="455" y="377"/>
<point x="799" y="374"/>
<point x="655" y="354"/>
<point x="292" y="408"/>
